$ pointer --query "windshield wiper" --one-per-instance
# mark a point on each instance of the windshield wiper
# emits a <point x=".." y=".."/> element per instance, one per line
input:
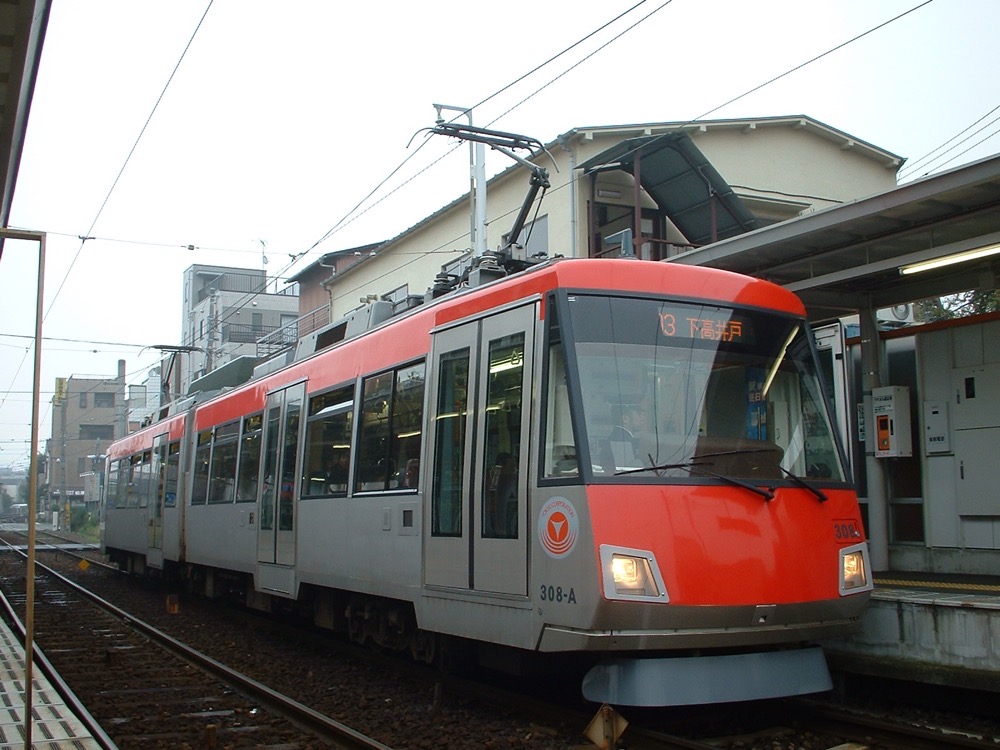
<point x="820" y="495"/>
<point x="694" y="466"/>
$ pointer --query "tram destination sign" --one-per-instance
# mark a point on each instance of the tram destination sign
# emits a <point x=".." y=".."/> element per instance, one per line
<point x="683" y="322"/>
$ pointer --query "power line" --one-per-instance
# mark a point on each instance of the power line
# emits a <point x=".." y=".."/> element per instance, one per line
<point x="754" y="89"/>
<point x="84" y="238"/>
<point x="341" y="223"/>
<point x="583" y="59"/>
<point x="344" y="219"/>
<point x="974" y="145"/>
<point x="190" y="247"/>
<point x="75" y="341"/>
<point x="135" y="145"/>
<point x="927" y="157"/>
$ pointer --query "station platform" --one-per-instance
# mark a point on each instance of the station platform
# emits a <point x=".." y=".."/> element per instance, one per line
<point x="924" y="627"/>
<point x="54" y="726"/>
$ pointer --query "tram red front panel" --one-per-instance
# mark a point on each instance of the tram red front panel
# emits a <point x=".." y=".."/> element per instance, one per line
<point x="720" y="546"/>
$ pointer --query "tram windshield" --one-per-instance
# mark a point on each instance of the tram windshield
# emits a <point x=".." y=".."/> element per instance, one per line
<point x="680" y="389"/>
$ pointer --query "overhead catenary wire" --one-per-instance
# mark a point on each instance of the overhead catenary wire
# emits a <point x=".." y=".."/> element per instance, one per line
<point x="84" y="237"/>
<point x="732" y="100"/>
<point x="974" y="145"/>
<point x="344" y="220"/>
<point x="74" y="341"/>
<point x="755" y="88"/>
<point x="87" y="235"/>
<point x="347" y="218"/>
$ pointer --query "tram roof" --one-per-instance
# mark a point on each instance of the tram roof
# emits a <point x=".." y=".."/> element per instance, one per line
<point x="840" y="259"/>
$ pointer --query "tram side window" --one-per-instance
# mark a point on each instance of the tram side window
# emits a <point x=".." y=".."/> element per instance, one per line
<point x="122" y="489"/>
<point x="267" y="494"/>
<point x="134" y="481"/>
<point x="249" y="461"/>
<point x="328" y="443"/>
<point x="111" y="486"/>
<point x="171" y="474"/>
<point x="502" y="439"/>
<point x="202" y="456"/>
<point x="390" y="430"/>
<point x="145" y="478"/>
<point x="560" y="446"/>
<point x="222" y="471"/>
<point x="449" y="443"/>
<point x="160" y="475"/>
<point x="407" y="428"/>
<point x="293" y="415"/>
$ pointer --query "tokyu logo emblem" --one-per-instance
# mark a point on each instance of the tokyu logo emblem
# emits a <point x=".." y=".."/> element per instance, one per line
<point x="558" y="527"/>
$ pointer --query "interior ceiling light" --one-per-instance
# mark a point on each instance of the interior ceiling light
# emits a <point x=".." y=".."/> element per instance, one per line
<point x="947" y="260"/>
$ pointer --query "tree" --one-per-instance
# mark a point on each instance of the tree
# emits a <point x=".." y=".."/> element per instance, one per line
<point x="5" y="499"/>
<point x="962" y="305"/>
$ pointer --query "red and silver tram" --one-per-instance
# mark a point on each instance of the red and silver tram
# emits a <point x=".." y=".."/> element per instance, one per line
<point x="629" y="461"/>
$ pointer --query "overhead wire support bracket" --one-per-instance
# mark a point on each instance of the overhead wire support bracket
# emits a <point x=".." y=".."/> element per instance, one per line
<point x="498" y="140"/>
<point x="505" y="143"/>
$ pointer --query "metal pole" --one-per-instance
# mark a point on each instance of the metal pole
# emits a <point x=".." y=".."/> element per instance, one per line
<point x="64" y="470"/>
<point x="479" y="176"/>
<point x="29" y="618"/>
<point x="477" y="183"/>
<point x="872" y="366"/>
<point x="121" y="413"/>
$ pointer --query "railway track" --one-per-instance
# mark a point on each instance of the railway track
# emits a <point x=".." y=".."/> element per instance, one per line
<point x="148" y="690"/>
<point x="443" y="712"/>
<point x="402" y="704"/>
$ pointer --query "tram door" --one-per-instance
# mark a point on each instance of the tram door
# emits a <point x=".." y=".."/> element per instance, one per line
<point x="480" y="412"/>
<point x="832" y="350"/>
<point x="154" y="539"/>
<point x="278" y="480"/>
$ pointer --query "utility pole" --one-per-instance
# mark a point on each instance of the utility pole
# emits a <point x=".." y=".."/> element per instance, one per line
<point x="477" y="182"/>
<point x="121" y="413"/>
<point x="63" y="496"/>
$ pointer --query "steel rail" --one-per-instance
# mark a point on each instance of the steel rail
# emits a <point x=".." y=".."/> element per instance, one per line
<point x="937" y="737"/>
<point x="340" y="735"/>
<point x="55" y="679"/>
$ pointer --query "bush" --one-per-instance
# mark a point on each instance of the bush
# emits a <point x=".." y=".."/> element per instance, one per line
<point x="81" y="521"/>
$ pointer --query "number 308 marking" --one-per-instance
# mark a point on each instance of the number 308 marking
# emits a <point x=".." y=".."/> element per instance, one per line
<point x="557" y="594"/>
<point x="846" y="530"/>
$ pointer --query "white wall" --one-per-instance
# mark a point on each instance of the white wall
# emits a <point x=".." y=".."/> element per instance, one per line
<point x="960" y="369"/>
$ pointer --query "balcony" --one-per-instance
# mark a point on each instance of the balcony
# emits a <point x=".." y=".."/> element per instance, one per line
<point x="287" y="335"/>
<point x="244" y="283"/>
<point x="241" y="333"/>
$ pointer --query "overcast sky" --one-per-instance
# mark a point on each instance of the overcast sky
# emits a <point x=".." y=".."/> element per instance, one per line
<point x="280" y="118"/>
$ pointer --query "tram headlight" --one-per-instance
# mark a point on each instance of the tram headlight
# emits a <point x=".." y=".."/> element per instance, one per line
<point x="631" y="574"/>
<point x="626" y="571"/>
<point x="855" y="573"/>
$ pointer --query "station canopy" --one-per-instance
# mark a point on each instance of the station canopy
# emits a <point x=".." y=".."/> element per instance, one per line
<point x="845" y="258"/>
<point x="683" y="183"/>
